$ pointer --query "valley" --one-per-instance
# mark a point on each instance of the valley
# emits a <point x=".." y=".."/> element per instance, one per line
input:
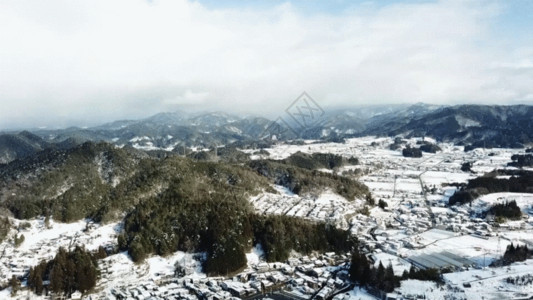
<point x="414" y="227"/>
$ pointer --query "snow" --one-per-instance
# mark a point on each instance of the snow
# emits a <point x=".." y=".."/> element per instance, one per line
<point x="161" y="266"/>
<point x="41" y="242"/>
<point x="326" y="206"/>
<point x="407" y="228"/>
<point x="419" y="289"/>
<point x="523" y="200"/>
<point x="490" y="283"/>
<point x="138" y="139"/>
<point x="356" y="294"/>
<point x="480" y="250"/>
<point x="254" y="257"/>
<point x="399" y="265"/>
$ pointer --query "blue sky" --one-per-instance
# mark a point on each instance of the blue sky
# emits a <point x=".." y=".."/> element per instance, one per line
<point x="307" y="6"/>
<point x="84" y="62"/>
<point x="515" y="19"/>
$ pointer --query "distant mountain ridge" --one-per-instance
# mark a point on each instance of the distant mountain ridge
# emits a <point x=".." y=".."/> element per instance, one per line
<point x="478" y="125"/>
<point x="475" y="125"/>
<point x="20" y="145"/>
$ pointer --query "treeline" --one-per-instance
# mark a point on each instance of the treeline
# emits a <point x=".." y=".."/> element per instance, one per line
<point x="466" y="167"/>
<point x="426" y="146"/>
<point x="318" y="160"/>
<point x="519" y="160"/>
<point x="411" y="152"/>
<point x="363" y="272"/>
<point x="5" y="226"/>
<point x="397" y="144"/>
<point x="227" y="154"/>
<point x="513" y="254"/>
<point x="66" y="185"/>
<point x="508" y="210"/>
<point x="68" y="272"/>
<point x="302" y="181"/>
<point x="197" y="215"/>
<point x="278" y="235"/>
<point x="520" y="182"/>
<point x="204" y="208"/>
<point x="100" y="181"/>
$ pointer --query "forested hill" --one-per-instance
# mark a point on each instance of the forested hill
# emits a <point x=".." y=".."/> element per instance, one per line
<point x="169" y="203"/>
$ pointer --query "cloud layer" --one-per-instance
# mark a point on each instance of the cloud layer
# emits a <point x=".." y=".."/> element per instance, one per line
<point x="81" y="62"/>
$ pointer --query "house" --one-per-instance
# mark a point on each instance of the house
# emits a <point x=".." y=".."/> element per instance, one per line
<point x="76" y="295"/>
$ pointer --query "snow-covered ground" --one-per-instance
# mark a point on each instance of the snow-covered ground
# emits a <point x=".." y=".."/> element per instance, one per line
<point x="491" y="283"/>
<point x="41" y="242"/>
<point x="523" y="200"/>
<point x="416" y="221"/>
<point x="326" y="206"/>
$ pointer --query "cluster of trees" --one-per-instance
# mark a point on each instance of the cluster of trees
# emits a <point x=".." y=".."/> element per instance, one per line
<point x="462" y="197"/>
<point x="382" y="278"/>
<point x="520" y="161"/>
<point x="430" y="274"/>
<point x="428" y="147"/>
<point x="278" y="235"/>
<point x="508" y="210"/>
<point x="68" y="272"/>
<point x="513" y="254"/>
<point x="411" y="152"/>
<point x="204" y="209"/>
<point x="319" y="160"/>
<point x="515" y="184"/>
<point x="466" y="167"/>
<point x="521" y="280"/>
<point x="228" y="154"/>
<point x="398" y="142"/>
<point x="18" y="240"/>
<point x="519" y="182"/>
<point x="365" y="274"/>
<point x="382" y="204"/>
<point x="302" y="181"/>
<point x="5" y="226"/>
<point x="67" y="185"/>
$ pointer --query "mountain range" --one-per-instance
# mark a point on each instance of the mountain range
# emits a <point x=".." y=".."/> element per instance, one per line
<point x="473" y="125"/>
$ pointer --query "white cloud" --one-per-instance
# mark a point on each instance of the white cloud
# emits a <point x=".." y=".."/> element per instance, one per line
<point x="100" y="60"/>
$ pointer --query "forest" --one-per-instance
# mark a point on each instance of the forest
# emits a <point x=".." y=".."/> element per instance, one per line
<point x="69" y="271"/>
<point x="519" y="182"/>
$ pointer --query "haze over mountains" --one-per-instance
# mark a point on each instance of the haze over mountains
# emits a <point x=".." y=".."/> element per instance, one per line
<point x="476" y="125"/>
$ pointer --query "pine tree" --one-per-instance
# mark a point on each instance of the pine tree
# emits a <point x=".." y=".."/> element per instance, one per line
<point x="380" y="276"/>
<point x="389" y="279"/>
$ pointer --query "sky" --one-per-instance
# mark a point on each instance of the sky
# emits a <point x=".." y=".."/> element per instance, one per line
<point x="73" y="62"/>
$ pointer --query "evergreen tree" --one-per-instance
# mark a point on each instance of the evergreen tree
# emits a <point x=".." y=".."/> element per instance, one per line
<point x="380" y="276"/>
<point x="389" y="279"/>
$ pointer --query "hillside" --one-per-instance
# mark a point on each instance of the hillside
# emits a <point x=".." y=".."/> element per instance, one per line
<point x="20" y="145"/>
<point x="479" y="125"/>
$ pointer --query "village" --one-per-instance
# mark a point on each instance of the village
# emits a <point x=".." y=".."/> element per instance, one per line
<point x="415" y="227"/>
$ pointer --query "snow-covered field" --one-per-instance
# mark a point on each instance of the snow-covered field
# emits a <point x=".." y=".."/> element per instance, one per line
<point x="523" y="200"/>
<point x="491" y="283"/>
